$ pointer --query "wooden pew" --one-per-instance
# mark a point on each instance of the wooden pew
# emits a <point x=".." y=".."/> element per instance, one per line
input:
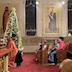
<point x="65" y="66"/>
<point x="62" y="54"/>
<point x="69" y="51"/>
<point x="39" y="56"/>
<point x="45" y="55"/>
<point x="42" y="56"/>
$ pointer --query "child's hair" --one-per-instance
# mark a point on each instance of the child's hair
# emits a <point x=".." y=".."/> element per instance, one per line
<point x="61" y="38"/>
<point x="55" y="41"/>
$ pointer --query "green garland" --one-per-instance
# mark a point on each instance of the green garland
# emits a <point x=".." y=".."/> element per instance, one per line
<point x="12" y="28"/>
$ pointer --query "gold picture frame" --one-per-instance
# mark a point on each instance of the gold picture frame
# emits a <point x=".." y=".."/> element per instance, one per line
<point x="51" y="19"/>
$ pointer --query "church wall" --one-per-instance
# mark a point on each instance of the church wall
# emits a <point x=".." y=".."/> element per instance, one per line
<point x="64" y="21"/>
<point x="40" y="18"/>
<point x="20" y="5"/>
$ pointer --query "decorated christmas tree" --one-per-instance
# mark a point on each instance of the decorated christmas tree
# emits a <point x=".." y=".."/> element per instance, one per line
<point x="12" y="28"/>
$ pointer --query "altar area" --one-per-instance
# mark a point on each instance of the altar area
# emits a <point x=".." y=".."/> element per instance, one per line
<point x="4" y="58"/>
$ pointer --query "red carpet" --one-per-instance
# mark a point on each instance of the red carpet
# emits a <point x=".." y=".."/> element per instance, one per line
<point x="29" y="65"/>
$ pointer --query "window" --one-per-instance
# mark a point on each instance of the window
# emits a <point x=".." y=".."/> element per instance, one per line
<point x="30" y="12"/>
<point x="70" y="16"/>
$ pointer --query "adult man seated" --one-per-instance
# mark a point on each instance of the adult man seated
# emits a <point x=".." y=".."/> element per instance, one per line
<point x="52" y="53"/>
<point x="13" y="55"/>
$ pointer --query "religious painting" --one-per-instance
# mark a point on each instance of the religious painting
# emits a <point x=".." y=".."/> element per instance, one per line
<point x="51" y="19"/>
<point x="4" y="14"/>
<point x="5" y="17"/>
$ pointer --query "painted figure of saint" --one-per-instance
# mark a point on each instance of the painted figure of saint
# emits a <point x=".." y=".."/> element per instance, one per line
<point x="52" y="23"/>
<point x="5" y="18"/>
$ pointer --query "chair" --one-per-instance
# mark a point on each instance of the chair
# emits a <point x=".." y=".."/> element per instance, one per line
<point x="45" y="55"/>
<point x="39" y="56"/>
<point x="69" y="51"/>
<point x="65" y="66"/>
<point x="42" y="56"/>
<point x="62" y="54"/>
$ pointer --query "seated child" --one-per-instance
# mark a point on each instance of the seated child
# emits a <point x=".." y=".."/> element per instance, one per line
<point x="53" y="49"/>
<point x="56" y="45"/>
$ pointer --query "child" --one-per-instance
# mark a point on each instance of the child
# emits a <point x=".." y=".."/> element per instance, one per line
<point x="53" y="49"/>
<point x="56" y="45"/>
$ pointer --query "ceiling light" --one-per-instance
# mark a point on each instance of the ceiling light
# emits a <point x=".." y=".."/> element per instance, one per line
<point x="63" y="2"/>
<point x="37" y="2"/>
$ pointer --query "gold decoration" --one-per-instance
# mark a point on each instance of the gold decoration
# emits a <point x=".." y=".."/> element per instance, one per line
<point x="13" y="9"/>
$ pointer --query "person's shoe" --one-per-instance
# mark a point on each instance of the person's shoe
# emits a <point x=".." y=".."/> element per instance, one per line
<point x="18" y="64"/>
<point x="50" y="61"/>
<point x="55" y="63"/>
<point x="10" y="66"/>
<point x="36" y="60"/>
